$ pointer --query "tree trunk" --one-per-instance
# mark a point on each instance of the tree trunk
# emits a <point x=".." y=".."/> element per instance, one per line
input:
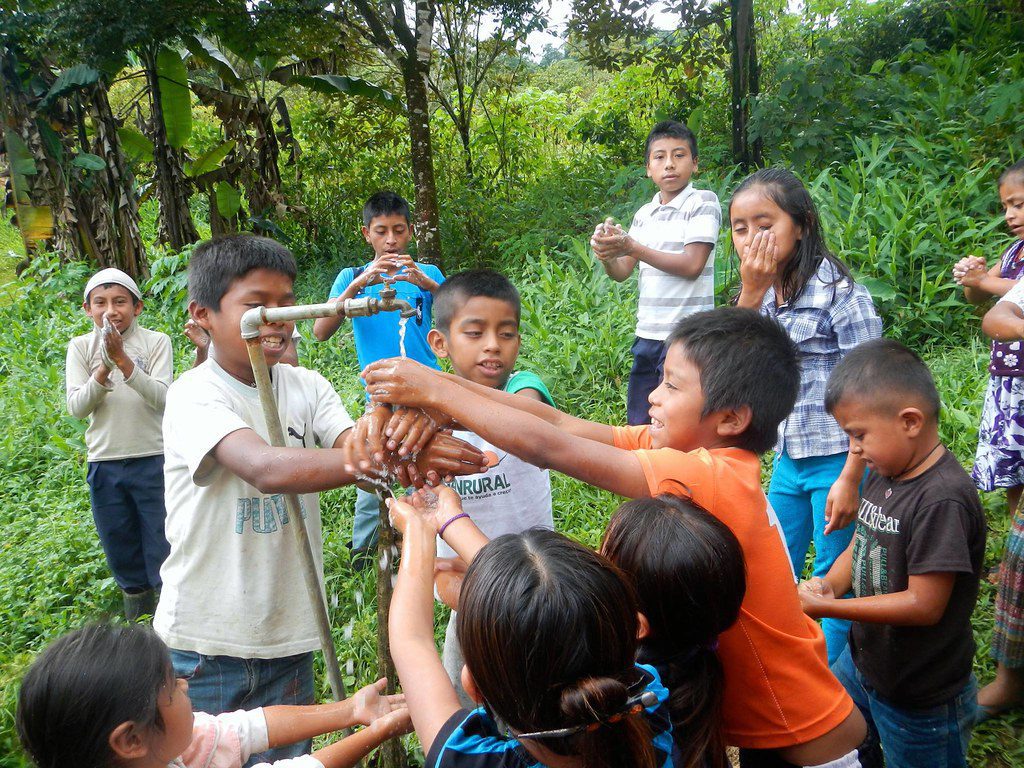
<point x="428" y="232"/>
<point x="744" y="82"/>
<point x="176" y="226"/>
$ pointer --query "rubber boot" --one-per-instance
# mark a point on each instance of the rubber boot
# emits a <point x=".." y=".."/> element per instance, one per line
<point x="138" y="604"/>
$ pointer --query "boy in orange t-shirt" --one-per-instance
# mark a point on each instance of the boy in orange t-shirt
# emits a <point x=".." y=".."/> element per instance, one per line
<point x="730" y="378"/>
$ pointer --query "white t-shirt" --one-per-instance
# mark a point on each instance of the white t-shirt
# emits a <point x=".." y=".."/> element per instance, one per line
<point x="232" y="583"/>
<point x="510" y="497"/>
<point x="692" y="216"/>
<point x="1015" y="295"/>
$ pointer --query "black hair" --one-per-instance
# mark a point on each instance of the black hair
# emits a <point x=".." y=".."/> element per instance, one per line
<point x="690" y="578"/>
<point x="385" y="203"/>
<point x="461" y="287"/>
<point x="86" y="684"/>
<point x="217" y="263"/>
<point x="744" y="359"/>
<point x="548" y="630"/>
<point x="785" y="189"/>
<point x="670" y="129"/>
<point x="135" y="299"/>
<point x="1015" y="171"/>
<point x="884" y="374"/>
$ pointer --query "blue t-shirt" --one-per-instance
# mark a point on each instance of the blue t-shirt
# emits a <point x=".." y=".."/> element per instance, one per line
<point x="471" y="739"/>
<point x="376" y="336"/>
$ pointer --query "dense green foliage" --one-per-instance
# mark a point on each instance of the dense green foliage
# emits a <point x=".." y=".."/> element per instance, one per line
<point x="899" y="116"/>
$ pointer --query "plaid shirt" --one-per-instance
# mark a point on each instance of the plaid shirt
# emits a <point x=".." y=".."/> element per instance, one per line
<point x="826" y="321"/>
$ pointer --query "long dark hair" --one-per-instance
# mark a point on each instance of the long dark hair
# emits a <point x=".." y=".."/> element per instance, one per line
<point x="690" y="579"/>
<point x="86" y="684"/>
<point x="548" y="630"/>
<point x="784" y="189"/>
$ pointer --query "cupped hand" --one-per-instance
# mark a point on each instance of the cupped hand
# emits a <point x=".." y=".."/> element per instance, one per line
<point x="439" y="504"/>
<point x="402" y="513"/>
<point x="815" y="594"/>
<point x="371" y="702"/>
<point x="195" y="333"/>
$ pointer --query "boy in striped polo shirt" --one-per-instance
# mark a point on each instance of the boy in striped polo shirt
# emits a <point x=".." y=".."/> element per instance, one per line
<point x="672" y="239"/>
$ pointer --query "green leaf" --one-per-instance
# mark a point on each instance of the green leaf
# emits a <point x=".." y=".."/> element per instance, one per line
<point x="135" y="144"/>
<point x="879" y="289"/>
<point x="18" y="154"/>
<point x="332" y="85"/>
<point x="211" y="160"/>
<point x="229" y="201"/>
<point x="175" y="97"/>
<point x="50" y="140"/>
<point x="73" y="79"/>
<point x="206" y="51"/>
<point x="89" y="161"/>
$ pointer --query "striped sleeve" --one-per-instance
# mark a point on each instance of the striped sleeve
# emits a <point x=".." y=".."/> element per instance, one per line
<point x="703" y="216"/>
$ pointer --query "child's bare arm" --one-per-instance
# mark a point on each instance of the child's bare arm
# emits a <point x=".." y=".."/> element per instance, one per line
<point x="429" y="693"/>
<point x="1004" y="322"/>
<point x="921" y="604"/>
<point x="350" y="750"/>
<point x="514" y="424"/>
<point x="689" y="264"/>
<point x="979" y="283"/>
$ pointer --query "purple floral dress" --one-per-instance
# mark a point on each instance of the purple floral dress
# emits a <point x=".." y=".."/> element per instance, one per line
<point x="999" y="461"/>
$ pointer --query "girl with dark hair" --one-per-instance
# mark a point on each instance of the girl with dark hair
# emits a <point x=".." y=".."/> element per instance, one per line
<point x="548" y="629"/>
<point x="106" y="696"/>
<point x="690" y="578"/>
<point x="788" y="273"/>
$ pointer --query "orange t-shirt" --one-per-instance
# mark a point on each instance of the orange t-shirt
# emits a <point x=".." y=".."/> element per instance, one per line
<point x="778" y="688"/>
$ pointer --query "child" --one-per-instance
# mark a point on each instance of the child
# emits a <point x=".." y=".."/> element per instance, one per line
<point x="75" y="707"/>
<point x="476" y="316"/>
<point x="1004" y="323"/>
<point x="387" y="227"/>
<point x="1000" y="458"/>
<point x="117" y="377"/>
<point x="788" y="273"/>
<point x="730" y="377"/>
<point x="581" y="701"/>
<point x="690" y="579"/>
<point x="234" y="609"/>
<point x="914" y="564"/>
<point x="672" y="239"/>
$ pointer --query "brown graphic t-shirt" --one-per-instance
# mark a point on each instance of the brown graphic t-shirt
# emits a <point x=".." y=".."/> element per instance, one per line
<point x="932" y="523"/>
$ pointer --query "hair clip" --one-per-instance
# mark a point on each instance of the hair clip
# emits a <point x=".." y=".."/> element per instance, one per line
<point x="634" y="706"/>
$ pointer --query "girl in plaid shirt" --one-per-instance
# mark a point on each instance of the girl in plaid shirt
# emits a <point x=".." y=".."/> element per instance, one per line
<point x="788" y="273"/>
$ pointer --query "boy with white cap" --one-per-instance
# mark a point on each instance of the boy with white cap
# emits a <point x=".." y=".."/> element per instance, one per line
<point x="117" y="377"/>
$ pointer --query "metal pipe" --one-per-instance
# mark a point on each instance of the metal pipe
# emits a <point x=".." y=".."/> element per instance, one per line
<point x="368" y="305"/>
<point x="310" y="574"/>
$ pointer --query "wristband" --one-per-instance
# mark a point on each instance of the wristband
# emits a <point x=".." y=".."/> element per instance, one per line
<point x="449" y="521"/>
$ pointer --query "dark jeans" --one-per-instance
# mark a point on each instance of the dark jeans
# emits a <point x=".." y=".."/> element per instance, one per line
<point x="218" y="684"/>
<point x="128" y="508"/>
<point x="644" y="377"/>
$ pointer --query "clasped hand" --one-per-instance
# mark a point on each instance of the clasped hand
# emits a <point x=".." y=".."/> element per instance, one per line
<point x="815" y="594"/>
<point x="969" y="271"/>
<point x="610" y="241"/>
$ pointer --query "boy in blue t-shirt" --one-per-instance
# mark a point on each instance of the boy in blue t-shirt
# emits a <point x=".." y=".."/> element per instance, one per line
<point x="387" y="228"/>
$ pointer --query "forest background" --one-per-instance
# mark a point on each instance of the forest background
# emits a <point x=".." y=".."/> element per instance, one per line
<point x="133" y="129"/>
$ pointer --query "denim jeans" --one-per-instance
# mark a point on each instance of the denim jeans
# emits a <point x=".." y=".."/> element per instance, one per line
<point x="644" y="378"/>
<point x="797" y="492"/>
<point x="936" y="737"/>
<point x="367" y="520"/>
<point x="218" y="684"/>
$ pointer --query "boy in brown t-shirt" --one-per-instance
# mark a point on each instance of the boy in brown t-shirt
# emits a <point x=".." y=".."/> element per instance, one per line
<point x="914" y="563"/>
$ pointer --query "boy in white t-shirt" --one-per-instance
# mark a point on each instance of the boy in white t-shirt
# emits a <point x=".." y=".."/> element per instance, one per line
<point x="672" y="241"/>
<point x="476" y="327"/>
<point x="234" y="609"/>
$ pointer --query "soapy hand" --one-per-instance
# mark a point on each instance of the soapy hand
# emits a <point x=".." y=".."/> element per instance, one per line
<point x="969" y="271"/>
<point x="610" y="241"/>
<point x="400" y="381"/>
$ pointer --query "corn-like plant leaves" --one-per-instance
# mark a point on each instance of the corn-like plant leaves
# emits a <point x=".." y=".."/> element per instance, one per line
<point x="334" y="85"/>
<point x="210" y="161"/>
<point x="175" y="97"/>
<point x="229" y="201"/>
<point x="89" y="161"/>
<point x="136" y="145"/>
<point x="73" y="79"/>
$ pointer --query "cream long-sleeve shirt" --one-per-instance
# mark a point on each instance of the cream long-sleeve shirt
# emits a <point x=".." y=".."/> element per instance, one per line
<point x="125" y="416"/>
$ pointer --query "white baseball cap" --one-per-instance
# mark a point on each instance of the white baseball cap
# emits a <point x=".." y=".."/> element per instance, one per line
<point x="112" y="275"/>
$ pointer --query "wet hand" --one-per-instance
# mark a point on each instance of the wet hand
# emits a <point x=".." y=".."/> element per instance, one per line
<point x="759" y="263"/>
<point x="411" y="273"/>
<point x="446" y="456"/>
<point x="371" y="703"/>
<point x="364" y="448"/>
<point x="815" y="594"/>
<point x="969" y="271"/>
<point x="437" y="505"/>
<point x="409" y="429"/>
<point x="400" y="381"/>
<point x="113" y="342"/>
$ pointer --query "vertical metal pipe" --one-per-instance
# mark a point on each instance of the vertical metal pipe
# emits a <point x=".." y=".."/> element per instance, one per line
<point x="298" y="524"/>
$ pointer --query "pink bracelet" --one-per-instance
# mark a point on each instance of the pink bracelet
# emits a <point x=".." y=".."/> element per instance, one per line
<point x="449" y="521"/>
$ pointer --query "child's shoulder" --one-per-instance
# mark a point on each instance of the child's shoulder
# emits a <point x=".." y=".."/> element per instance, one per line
<point x="522" y="379"/>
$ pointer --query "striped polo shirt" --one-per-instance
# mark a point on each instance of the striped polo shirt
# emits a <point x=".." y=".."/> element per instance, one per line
<point x="692" y="216"/>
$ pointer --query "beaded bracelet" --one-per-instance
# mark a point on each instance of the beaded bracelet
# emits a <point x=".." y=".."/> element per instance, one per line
<point x="449" y="521"/>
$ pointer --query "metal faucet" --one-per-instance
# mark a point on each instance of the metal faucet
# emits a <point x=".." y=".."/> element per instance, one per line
<point x="369" y="305"/>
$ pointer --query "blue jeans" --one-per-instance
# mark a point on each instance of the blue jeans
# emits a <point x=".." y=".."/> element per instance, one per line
<point x="367" y="520"/>
<point x="797" y="492"/>
<point x="644" y="378"/>
<point x="218" y="684"/>
<point x="936" y="737"/>
<point x="127" y="498"/>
